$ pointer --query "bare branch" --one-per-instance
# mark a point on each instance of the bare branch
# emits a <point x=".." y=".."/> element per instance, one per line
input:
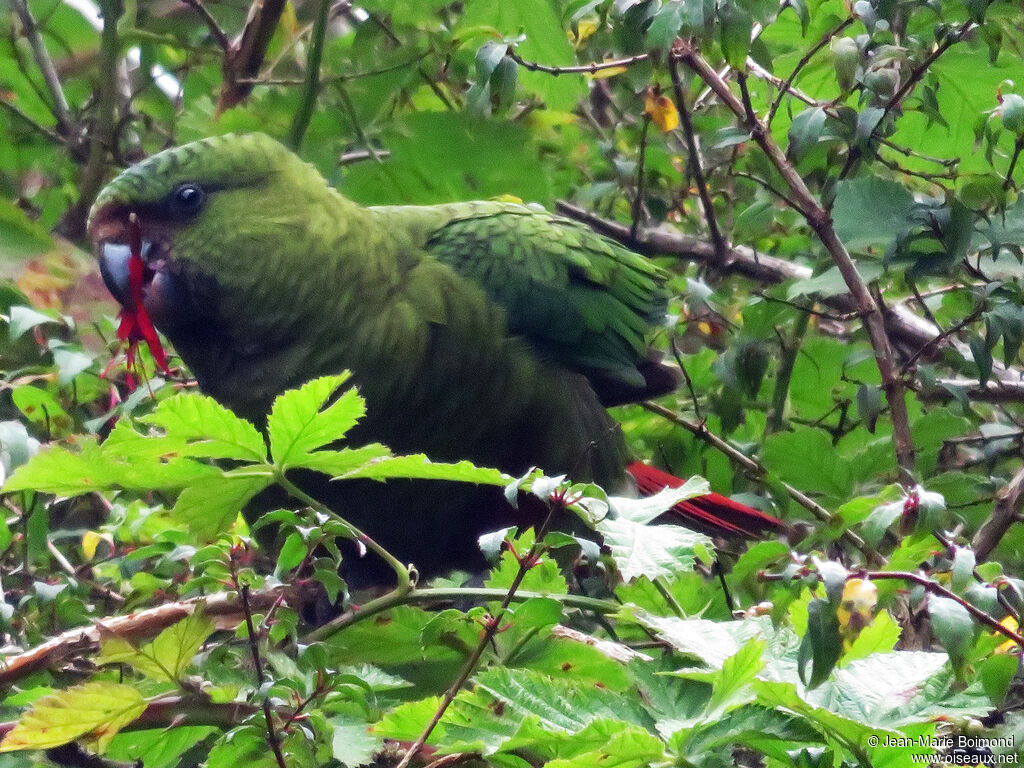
<point x="215" y="29"/>
<point x="224" y="609"/>
<point x="577" y="69"/>
<point x="694" y="163"/>
<point x="101" y="137"/>
<point x="61" y="109"/>
<point x="821" y="222"/>
<point x="244" y="58"/>
<point x="1007" y="511"/>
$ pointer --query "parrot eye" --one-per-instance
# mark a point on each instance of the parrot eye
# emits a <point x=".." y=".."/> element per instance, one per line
<point x="187" y="199"/>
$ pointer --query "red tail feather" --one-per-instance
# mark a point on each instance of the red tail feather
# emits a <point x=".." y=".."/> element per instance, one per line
<point x="712" y="514"/>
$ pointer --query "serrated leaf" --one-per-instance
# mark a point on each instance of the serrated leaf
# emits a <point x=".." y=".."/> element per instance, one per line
<point x="713" y="642"/>
<point x="208" y="428"/>
<point x="341" y="462"/>
<point x="209" y="507"/>
<point x="95" y="709"/>
<point x="297" y="425"/>
<point x="165" y="658"/>
<point x="419" y="467"/>
<point x="91" y="468"/>
<point x="646" y="509"/>
<point x="655" y="551"/>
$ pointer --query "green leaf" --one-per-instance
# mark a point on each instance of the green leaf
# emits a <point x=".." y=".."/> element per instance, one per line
<point x="712" y="642"/>
<point x="952" y="624"/>
<point x="870" y="211"/>
<point x="24" y="319"/>
<point x="736" y="24"/>
<point x="545" y="41"/>
<point x="880" y="636"/>
<point x="209" y="507"/>
<point x="646" y="509"/>
<point x="96" y="709"/>
<point x="69" y="364"/>
<point x="821" y="644"/>
<point x="20" y="236"/>
<point x="293" y="552"/>
<point x="209" y="429"/>
<point x="158" y="747"/>
<point x="351" y="741"/>
<point x="298" y="426"/>
<point x="419" y="467"/>
<point x="997" y="673"/>
<point x="339" y="463"/>
<point x="63" y="472"/>
<point x="168" y="656"/>
<point x="736" y="674"/>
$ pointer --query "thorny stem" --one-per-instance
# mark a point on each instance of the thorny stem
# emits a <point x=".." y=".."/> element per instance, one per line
<point x="273" y="739"/>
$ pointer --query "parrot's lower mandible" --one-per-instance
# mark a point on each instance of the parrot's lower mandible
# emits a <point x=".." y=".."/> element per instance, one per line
<point x="488" y="331"/>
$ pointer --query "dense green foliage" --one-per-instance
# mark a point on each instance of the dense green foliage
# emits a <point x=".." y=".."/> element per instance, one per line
<point x="834" y="188"/>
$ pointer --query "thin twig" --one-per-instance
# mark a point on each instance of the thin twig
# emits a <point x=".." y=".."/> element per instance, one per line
<point x="758" y="471"/>
<point x="575" y="69"/>
<point x="41" y="129"/>
<point x="312" y="85"/>
<point x="215" y="29"/>
<point x="787" y="84"/>
<point x="905" y="88"/>
<point x="273" y="738"/>
<point x="780" y="394"/>
<point x="59" y="103"/>
<point x="1018" y="146"/>
<point x="695" y="165"/>
<point x="821" y="222"/>
<point x="638" y="198"/>
<point x="1007" y="510"/>
<point x="556" y="502"/>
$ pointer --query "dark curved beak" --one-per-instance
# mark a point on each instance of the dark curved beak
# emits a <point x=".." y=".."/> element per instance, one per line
<point x="114" y="258"/>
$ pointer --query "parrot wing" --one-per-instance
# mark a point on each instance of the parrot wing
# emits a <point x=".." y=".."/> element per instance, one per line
<point x="582" y="301"/>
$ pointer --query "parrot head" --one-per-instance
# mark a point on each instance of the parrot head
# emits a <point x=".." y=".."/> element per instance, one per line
<point x="203" y="241"/>
<point x="192" y="207"/>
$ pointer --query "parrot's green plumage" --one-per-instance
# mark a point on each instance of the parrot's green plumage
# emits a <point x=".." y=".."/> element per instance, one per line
<point x="489" y="331"/>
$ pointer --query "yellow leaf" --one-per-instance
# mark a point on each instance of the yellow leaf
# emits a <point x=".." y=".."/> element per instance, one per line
<point x="857" y="607"/>
<point x="662" y="111"/>
<point x="90" y="540"/>
<point x="1009" y="646"/>
<point x="602" y="74"/>
<point x="97" y="709"/>
<point x="506" y="198"/>
<point x="584" y="30"/>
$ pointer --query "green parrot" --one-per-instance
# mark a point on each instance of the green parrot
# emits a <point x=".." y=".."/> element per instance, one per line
<point x="488" y="331"/>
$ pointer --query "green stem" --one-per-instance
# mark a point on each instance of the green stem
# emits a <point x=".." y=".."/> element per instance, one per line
<point x="401" y="571"/>
<point x="394" y="598"/>
<point x="790" y="350"/>
<point x="673" y="604"/>
<point x="312" y="85"/>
